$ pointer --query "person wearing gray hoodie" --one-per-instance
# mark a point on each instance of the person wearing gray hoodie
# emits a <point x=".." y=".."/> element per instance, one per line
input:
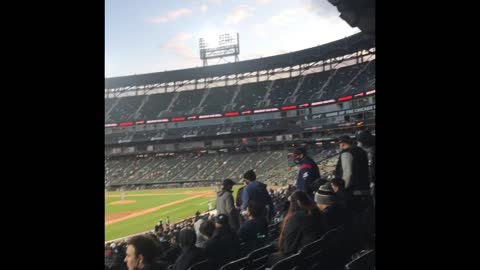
<point x="225" y="204"/>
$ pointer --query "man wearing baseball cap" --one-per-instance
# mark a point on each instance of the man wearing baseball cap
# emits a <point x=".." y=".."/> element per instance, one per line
<point x="308" y="172"/>
<point x="225" y="204"/>
<point x="352" y="167"/>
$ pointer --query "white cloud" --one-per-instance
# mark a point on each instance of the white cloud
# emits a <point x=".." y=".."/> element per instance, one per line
<point x="172" y="15"/>
<point x="215" y="1"/>
<point x="178" y="45"/>
<point x="309" y="31"/>
<point x="238" y="15"/>
<point x="288" y="16"/>
<point x="204" y="8"/>
<point x="263" y="2"/>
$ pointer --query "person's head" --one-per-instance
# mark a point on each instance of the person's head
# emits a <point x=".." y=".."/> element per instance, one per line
<point x="364" y="138"/>
<point x="207" y="228"/>
<point x="337" y="184"/>
<point x="187" y="238"/>
<point x="140" y="251"/>
<point x="228" y="184"/>
<point x="221" y="221"/>
<point x="255" y="210"/>
<point x="325" y="196"/>
<point x="344" y="142"/>
<point x="299" y="201"/>
<point x="249" y="176"/>
<point x="299" y="154"/>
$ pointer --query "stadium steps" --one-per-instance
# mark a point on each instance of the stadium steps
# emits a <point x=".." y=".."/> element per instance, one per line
<point x="264" y="168"/>
<point x="107" y="115"/>
<point x="140" y="172"/>
<point x="232" y="105"/>
<point x="350" y="83"/>
<point x="265" y="102"/>
<point x="186" y="170"/>
<point x="136" y="114"/>
<point x="245" y="160"/>
<point x="318" y="95"/>
<point x="293" y="98"/>
<point x="170" y="106"/>
<point x="224" y="163"/>
<point x="155" y="165"/>
<point x="206" y="167"/>
<point x="199" y="108"/>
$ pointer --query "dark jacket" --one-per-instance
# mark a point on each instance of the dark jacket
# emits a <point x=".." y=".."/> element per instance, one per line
<point x="188" y="258"/>
<point x="257" y="192"/>
<point x="301" y="229"/>
<point x="307" y="174"/>
<point x="238" y="201"/>
<point x="335" y="215"/>
<point x="155" y="266"/>
<point x="359" y="179"/>
<point x="222" y="247"/>
<point x="254" y="233"/>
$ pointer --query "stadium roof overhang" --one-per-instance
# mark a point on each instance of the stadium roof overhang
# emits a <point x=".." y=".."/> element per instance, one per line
<point x="357" y="13"/>
<point x="348" y="45"/>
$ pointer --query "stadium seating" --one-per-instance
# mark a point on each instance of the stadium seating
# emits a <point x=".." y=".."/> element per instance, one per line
<point x="366" y="261"/>
<point x="324" y="85"/>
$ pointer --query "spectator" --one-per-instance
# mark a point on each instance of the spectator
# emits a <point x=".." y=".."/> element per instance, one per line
<point x="352" y="167"/>
<point x="303" y="224"/>
<point x="207" y="228"/>
<point x="308" y="172"/>
<point x="257" y="192"/>
<point x="140" y="254"/>
<point x="171" y="254"/>
<point x="254" y="231"/>
<point x="366" y="141"/>
<point x="223" y="244"/>
<point x="201" y="239"/>
<point x="190" y="253"/>
<point x="332" y="207"/>
<point x="238" y="202"/>
<point x="225" y="205"/>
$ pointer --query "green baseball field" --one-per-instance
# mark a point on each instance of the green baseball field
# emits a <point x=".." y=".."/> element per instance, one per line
<point x="140" y="210"/>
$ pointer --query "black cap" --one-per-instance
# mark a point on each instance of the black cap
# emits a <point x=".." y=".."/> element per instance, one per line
<point x="250" y="175"/>
<point x="222" y="219"/>
<point x="300" y="150"/>
<point x="344" y="139"/>
<point x="228" y="182"/>
<point x="365" y="137"/>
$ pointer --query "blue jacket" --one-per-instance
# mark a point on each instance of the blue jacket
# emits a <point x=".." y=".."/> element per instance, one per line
<point x="257" y="192"/>
<point x="307" y="174"/>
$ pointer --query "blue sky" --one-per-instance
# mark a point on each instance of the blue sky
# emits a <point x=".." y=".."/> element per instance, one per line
<point x="143" y="36"/>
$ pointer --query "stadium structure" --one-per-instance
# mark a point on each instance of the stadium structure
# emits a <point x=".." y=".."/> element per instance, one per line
<point x="204" y="124"/>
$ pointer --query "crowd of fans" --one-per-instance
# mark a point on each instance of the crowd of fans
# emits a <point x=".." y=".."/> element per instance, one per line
<point x="330" y="214"/>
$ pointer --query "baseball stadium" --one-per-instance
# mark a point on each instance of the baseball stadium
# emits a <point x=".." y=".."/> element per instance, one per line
<point x="289" y="128"/>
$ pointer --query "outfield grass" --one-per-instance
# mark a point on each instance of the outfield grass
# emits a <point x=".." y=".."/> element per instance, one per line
<point x="146" y="222"/>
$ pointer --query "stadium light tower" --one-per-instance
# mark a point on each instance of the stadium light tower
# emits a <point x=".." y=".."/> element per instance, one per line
<point x="228" y="45"/>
